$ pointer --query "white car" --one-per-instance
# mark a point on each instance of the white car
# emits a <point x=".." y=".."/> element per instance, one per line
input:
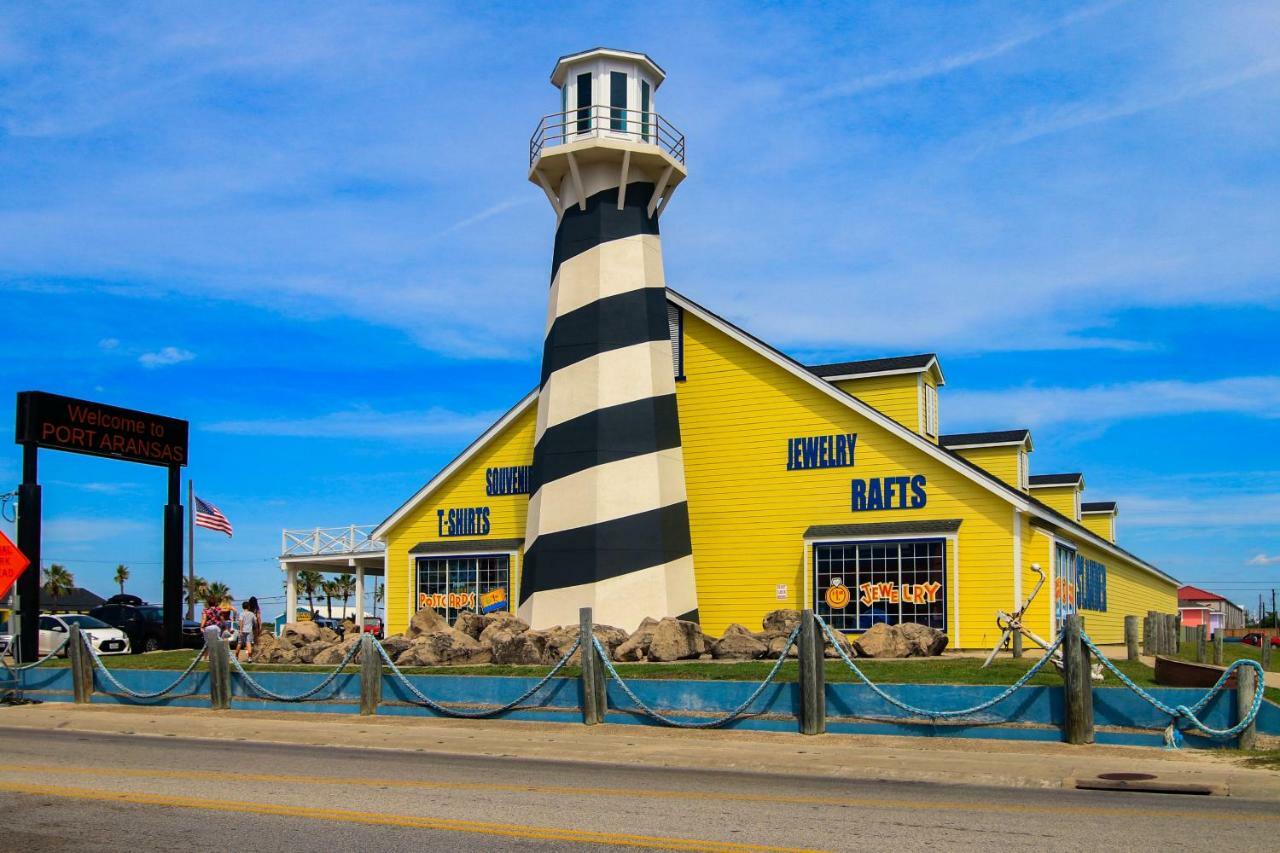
<point x="107" y="640"/>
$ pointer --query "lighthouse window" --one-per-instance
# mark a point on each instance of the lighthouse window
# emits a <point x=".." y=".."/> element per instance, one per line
<point x="675" y="326"/>
<point x="617" y="100"/>
<point x="644" y="110"/>
<point x="584" y="102"/>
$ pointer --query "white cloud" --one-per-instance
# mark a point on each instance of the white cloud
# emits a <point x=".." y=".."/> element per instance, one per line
<point x="165" y="357"/>
<point x="108" y="344"/>
<point x="1200" y="513"/>
<point x="71" y="530"/>
<point x="365" y="423"/>
<point x="1264" y="560"/>
<point x="957" y="61"/>
<point x="1100" y="404"/>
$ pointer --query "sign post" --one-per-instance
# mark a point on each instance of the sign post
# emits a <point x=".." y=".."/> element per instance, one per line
<point x="95" y="429"/>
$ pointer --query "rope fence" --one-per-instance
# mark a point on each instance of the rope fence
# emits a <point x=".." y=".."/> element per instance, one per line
<point x="382" y="661"/>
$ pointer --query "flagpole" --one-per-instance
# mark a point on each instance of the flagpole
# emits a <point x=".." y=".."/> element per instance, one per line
<point x="191" y="549"/>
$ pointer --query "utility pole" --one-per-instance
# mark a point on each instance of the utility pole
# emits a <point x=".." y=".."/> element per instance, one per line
<point x="1274" y="620"/>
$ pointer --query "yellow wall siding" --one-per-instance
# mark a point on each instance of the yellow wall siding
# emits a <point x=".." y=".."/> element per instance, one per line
<point x="1130" y="592"/>
<point x="749" y="514"/>
<point x="1001" y="461"/>
<point x="897" y="396"/>
<point x="1061" y="498"/>
<point x="1102" y="524"/>
<point x="465" y="488"/>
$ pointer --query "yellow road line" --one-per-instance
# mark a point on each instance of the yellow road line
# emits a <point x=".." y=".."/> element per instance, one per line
<point x="654" y="793"/>
<point x="509" y="830"/>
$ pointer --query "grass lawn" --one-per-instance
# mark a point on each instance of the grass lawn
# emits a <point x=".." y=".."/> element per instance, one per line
<point x="943" y="670"/>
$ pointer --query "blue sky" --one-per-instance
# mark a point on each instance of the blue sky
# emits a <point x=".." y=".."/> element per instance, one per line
<point x="306" y="228"/>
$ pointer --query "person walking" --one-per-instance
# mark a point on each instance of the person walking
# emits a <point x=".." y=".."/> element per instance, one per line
<point x="252" y="606"/>
<point x="211" y="622"/>
<point x="248" y="630"/>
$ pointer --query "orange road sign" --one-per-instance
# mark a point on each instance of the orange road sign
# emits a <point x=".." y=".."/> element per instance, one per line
<point x="12" y="564"/>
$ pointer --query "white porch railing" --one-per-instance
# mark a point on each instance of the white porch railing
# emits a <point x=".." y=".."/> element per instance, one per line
<point x="353" y="539"/>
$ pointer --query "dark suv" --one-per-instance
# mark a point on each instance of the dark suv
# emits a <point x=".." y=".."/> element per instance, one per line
<point x="144" y="624"/>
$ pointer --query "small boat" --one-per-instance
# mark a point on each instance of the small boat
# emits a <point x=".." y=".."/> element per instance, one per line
<point x="1173" y="672"/>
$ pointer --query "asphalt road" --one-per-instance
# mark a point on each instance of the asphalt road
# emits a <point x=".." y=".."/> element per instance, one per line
<point x="72" y="791"/>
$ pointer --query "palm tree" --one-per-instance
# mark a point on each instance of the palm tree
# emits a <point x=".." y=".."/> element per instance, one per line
<point x="122" y="575"/>
<point x="330" y="589"/>
<point x="218" y="590"/>
<point x="58" y="581"/>
<point x="346" y="588"/>
<point x="379" y="593"/>
<point x="196" y="589"/>
<point x="309" y="582"/>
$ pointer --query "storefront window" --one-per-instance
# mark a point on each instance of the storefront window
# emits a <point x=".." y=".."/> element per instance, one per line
<point x="891" y="581"/>
<point x="1064" y="583"/>
<point x="453" y="585"/>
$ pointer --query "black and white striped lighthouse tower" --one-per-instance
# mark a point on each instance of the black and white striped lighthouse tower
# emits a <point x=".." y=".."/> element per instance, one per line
<point x="608" y="522"/>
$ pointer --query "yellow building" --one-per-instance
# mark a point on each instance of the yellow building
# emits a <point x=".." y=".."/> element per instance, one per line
<point x="797" y="475"/>
<point x="712" y="477"/>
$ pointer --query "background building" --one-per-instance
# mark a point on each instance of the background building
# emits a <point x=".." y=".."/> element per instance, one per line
<point x="1201" y="607"/>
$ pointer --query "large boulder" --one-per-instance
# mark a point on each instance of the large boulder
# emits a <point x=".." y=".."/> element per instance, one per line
<point x="923" y="640"/>
<point x="328" y="635"/>
<point x="335" y="655"/>
<point x="444" y="648"/>
<point x="636" y="647"/>
<point x="470" y="624"/>
<point x="396" y="644"/>
<point x="500" y="622"/>
<point x="519" y="647"/>
<point x="781" y="621"/>
<point x="676" y="639"/>
<point x="300" y="633"/>
<point x="882" y="641"/>
<point x="426" y="621"/>
<point x="738" y="645"/>
<point x="307" y="653"/>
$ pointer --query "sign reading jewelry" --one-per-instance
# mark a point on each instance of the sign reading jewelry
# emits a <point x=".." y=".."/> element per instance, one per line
<point x="65" y="423"/>
<point x="820" y="451"/>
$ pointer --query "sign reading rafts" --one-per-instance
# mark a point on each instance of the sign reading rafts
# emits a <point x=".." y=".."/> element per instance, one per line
<point x="79" y="426"/>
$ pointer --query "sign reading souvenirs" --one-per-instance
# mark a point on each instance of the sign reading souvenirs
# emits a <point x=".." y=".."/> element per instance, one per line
<point x="463" y="521"/>
<point x="820" y="451"/>
<point x="512" y="480"/>
<point x="905" y="492"/>
<point x="65" y="423"/>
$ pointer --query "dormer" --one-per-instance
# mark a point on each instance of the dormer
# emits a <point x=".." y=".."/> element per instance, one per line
<point x="1059" y="491"/>
<point x="1002" y="453"/>
<point x="1100" y="517"/>
<point x="904" y="387"/>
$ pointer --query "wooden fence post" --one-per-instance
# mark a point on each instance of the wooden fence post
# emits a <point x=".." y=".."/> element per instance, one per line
<point x="1217" y="647"/>
<point x="81" y="667"/>
<point x="1266" y="653"/>
<point x="1202" y="644"/>
<point x="1177" y="634"/>
<point x="1131" y="637"/>
<point x="1017" y="644"/>
<point x="592" y="712"/>
<point x="813" y="698"/>
<point x="219" y="675"/>
<point x="370" y="676"/>
<point x="1246" y="686"/>
<point x="1078" y="723"/>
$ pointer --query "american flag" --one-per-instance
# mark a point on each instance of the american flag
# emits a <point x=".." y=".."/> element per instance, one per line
<point x="208" y="515"/>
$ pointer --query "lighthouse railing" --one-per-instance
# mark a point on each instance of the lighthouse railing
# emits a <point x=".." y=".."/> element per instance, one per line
<point x="604" y="121"/>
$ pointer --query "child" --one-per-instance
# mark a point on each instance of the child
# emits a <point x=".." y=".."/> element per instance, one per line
<point x="248" y="629"/>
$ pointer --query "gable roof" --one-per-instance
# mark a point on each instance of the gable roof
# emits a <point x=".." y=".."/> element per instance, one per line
<point x="1187" y="592"/>
<point x="949" y="458"/>
<point x="996" y="438"/>
<point x="1097" y="506"/>
<point x="1073" y="479"/>
<point x="878" y="367"/>
<point x="78" y="598"/>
